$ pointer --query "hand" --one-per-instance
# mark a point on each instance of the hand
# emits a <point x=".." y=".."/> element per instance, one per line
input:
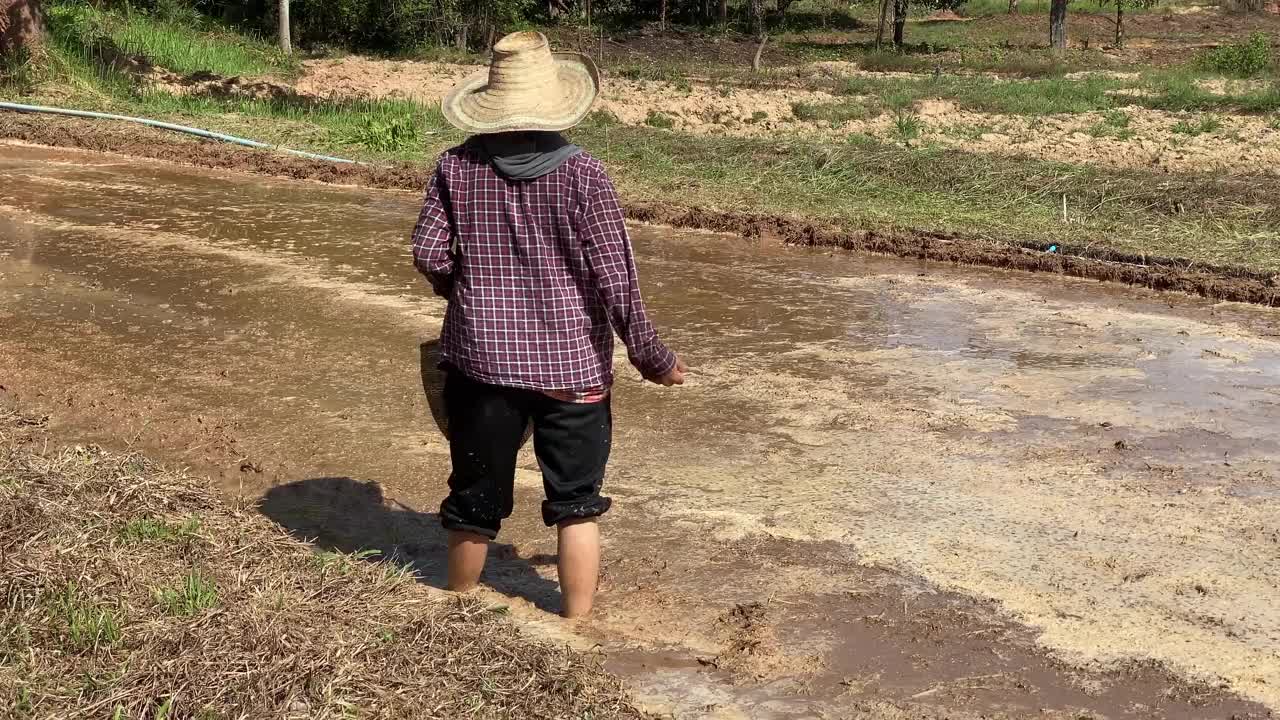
<point x="674" y="376"/>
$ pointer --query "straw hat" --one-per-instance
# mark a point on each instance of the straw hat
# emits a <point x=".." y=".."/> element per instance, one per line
<point x="527" y="87"/>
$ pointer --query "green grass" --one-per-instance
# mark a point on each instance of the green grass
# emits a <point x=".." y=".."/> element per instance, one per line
<point x="144" y="530"/>
<point x="835" y="114"/>
<point x="1114" y="124"/>
<point x="907" y="127"/>
<point x="659" y="120"/>
<point x="195" y="595"/>
<point x="89" y="626"/>
<point x="174" y="46"/>
<point x="1206" y="125"/>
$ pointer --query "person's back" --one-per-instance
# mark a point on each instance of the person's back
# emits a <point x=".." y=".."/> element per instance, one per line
<point x="523" y="234"/>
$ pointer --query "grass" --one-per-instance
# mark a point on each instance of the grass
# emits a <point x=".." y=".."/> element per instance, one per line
<point x="1114" y="124"/>
<point x="89" y="625"/>
<point x="98" y="641"/>
<point x="1205" y="125"/>
<point x="141" y="530"/>
<point x="196" y="594"/>
<point x="907" y="127"/>
<point x="659" y="120"/>
<point x="171" y="45"/>
<point x="835" y="114"/>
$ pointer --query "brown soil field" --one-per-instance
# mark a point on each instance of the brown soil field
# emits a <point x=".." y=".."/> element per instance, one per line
<point x="1244" y="145"/>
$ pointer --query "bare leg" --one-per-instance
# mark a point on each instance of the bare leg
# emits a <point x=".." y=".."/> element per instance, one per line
<point x="466" y="559"/>
<point x="579" y="566"/>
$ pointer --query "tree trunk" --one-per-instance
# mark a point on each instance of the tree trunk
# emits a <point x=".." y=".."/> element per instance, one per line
<point x="21" y="27"/>
<point x="286" y="41"/>
<point x="1119" y="24"/>
<point x="460" y="37"/>
<point x="755" y="62"/>
<point x="1058" y="25"/>
<point x="662" y="17"/>
<point x="757" y="17"/>
<point x="724" y="11"/>
<point x="884" y="21"/>
<point x="899" y="22"/>
<point x="1013" y="7"/>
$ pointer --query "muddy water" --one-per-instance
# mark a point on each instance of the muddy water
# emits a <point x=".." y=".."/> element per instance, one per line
<point x="889" y="490"/>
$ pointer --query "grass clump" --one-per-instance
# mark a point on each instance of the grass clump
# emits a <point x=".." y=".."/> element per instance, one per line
<point x="195" y="595"/>
<point x="1205" y="125"/>
<point x="287" y="634"/>
<point x="659" y="120"/>
<point x="1114" y="124"/>
<point x="1243" y="59"/>
<point x="381" y="133"/>
<point x="907" y="127"/>
<point x="141" y="530"/>
<point x="89" y="625"/>
<point x="836" y="113"/>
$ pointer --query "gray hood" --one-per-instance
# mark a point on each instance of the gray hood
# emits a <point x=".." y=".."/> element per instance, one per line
<point x="523" y="155"/>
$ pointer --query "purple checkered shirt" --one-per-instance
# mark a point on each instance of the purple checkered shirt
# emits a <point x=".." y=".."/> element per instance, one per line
<point x="538" y="274"/>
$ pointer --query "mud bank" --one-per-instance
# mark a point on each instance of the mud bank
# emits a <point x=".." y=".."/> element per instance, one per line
<point x="1166" y="274"/>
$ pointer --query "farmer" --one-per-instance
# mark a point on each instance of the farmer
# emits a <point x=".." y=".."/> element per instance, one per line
<point x="522" y="233"/>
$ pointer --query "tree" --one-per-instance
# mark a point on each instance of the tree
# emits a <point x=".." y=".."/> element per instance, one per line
<point x="21" y="27"/>
<point x="1058" y="25"/>
<point x="1120" y="5"/>
<point x="1013" y="7"/>
<point x="884" y="20"/>
<point x="286" y="42"/>
<point x="899" y="22"/>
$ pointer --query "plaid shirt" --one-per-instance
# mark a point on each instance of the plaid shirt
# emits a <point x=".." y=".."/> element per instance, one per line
<point x="538" y="274"/>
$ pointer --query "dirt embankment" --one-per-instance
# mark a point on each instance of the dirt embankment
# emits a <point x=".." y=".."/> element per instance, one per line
<point x="1134" y="137"/>
<point x="1221" y="283"/>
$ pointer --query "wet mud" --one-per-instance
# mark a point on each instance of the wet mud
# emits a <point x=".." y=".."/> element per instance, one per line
<point x="1166" y="274"/>
<point x="948" y="493"/>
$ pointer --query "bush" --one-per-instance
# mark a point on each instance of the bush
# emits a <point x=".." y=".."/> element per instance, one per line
<point x="1247" y="59"/>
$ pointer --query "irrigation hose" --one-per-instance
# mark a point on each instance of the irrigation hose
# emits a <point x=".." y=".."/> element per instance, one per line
<point x="16" y="107"/>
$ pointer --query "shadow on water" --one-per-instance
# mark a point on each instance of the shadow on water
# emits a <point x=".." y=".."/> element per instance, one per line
<point x="342" y="514"/>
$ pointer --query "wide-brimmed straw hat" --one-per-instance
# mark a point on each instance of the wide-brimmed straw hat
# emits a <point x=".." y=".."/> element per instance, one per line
<point x="527" y="87"/>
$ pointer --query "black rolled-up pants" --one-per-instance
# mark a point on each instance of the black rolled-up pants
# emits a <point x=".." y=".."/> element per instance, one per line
<point x="486" y="429"/>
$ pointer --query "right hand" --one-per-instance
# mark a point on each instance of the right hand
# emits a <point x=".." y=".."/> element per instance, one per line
<point x="674" y="376"/>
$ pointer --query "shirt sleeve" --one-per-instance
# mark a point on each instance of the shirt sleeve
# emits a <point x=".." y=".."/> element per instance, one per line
<point x="433" y="252"/>
<point x="613" y="268"/>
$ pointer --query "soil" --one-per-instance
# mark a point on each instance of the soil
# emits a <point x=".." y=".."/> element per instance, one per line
<point x="891" y="489"/>
<point x="1169" y="274"/>
<point x="1243" y="145"/>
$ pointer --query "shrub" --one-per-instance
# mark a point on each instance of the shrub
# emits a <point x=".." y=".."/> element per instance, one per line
<point x="1245" y="59"/>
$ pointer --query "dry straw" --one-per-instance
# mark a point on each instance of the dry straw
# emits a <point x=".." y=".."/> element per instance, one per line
<point x="127" y="591"/>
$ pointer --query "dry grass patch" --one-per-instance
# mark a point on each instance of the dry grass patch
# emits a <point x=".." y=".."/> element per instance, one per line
<point x="129" y="591"/>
